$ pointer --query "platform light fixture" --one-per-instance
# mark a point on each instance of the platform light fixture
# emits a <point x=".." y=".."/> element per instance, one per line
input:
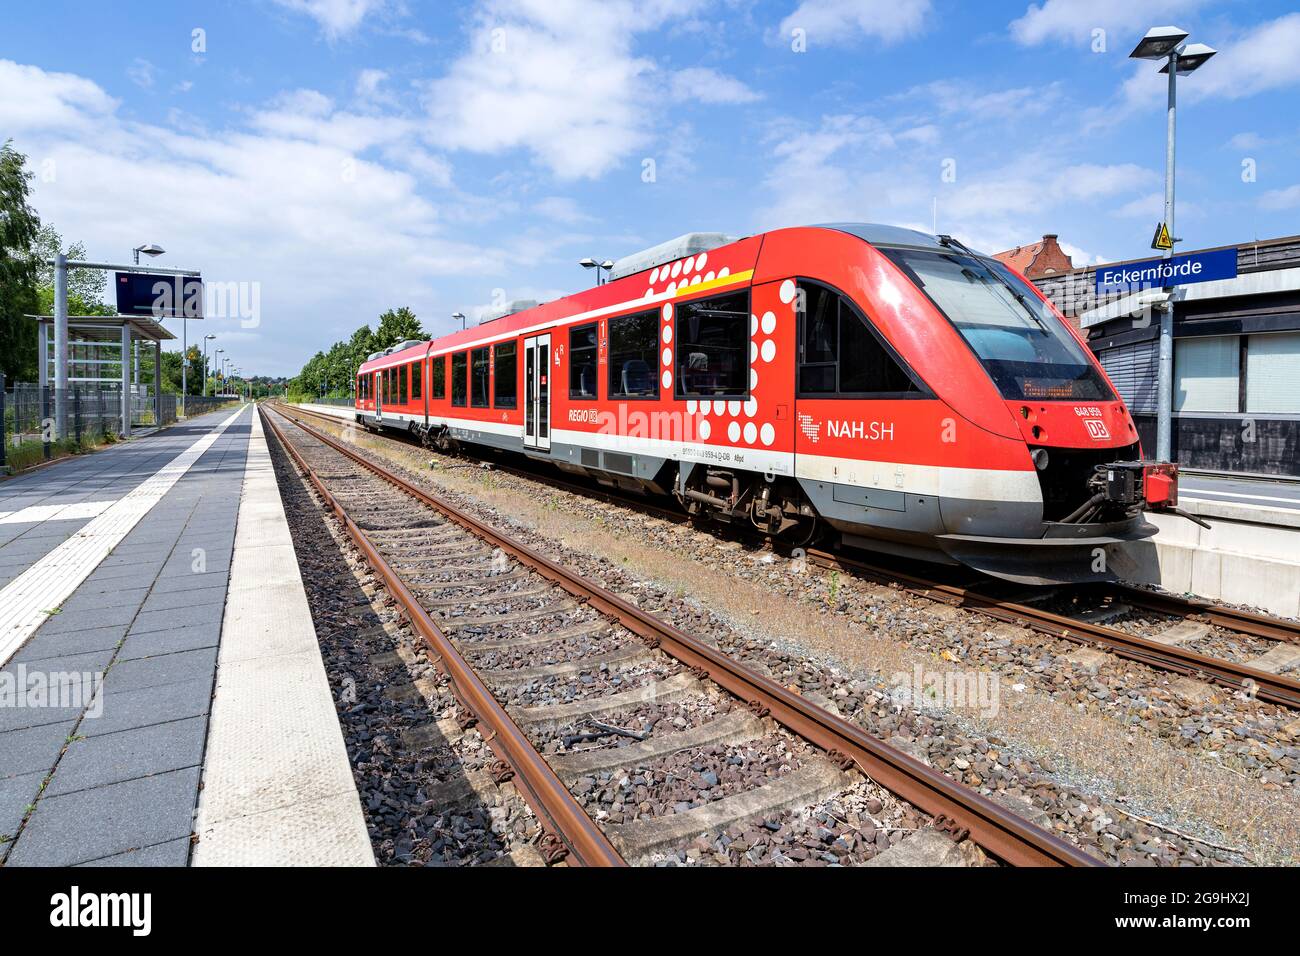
<point x="602" y="265"/>
<point x="1168" y="43"/>
<point x="149" y="249"/>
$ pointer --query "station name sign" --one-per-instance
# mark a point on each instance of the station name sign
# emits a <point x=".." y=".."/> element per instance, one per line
<point x="1158" y="273"/>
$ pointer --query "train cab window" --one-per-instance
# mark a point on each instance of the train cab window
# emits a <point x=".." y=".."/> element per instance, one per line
<point x="459" y="378"/>
<point x="478" y="387"/>
<point x="506" y="384"/>
<point x="438" y="376"/>
<point x="417" y="379"/>
<point x="712" y="347"/>
<point x="634" y="356"/>
<point x="839" y="352"/>
<point x="582" y="361"/>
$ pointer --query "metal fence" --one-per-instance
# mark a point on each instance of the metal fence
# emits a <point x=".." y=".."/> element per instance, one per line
<point x="28" y="429"/>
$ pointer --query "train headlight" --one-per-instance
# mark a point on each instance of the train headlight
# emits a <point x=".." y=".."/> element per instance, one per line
<point x="1039" y="456"/>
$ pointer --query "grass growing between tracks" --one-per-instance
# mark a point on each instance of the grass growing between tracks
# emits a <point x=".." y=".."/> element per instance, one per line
<point x="1133" y="770"/>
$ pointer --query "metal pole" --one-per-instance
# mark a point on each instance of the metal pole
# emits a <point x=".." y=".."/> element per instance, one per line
<point x="157" y="382"/>
<point x="126" y="380"/>
<point x="4" y="438"/>
<point x="1165" y="407"/>
<point x="185" y="358"/>
<point x="60" y="343"/>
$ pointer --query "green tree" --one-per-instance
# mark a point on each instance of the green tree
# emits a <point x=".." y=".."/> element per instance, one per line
<point x="85" y="285"/>
<point x="397" y="325"/>
<point x="171" y="368"/>
<point x="19" y="226"/>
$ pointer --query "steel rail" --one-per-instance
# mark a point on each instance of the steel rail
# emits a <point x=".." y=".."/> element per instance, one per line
<point x="1274" y="688"/>
<point x="999" y="831"/>
<point x="1230" y="618"/>
<point x="538" y="783"/>
<point x="1270" y="687"/>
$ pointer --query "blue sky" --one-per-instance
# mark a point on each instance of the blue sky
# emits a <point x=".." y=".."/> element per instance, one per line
<point x="342" y="157"/>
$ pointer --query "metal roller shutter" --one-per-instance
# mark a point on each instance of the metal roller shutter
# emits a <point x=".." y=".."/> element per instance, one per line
<point x="1133" y="369"/>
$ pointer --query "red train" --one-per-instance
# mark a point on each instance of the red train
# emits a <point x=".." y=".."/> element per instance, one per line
<point x="892" y="387"/>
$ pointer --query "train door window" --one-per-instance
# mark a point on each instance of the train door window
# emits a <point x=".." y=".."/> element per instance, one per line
<point x="478" y="390"/>
<point x="582" y="361"/>
<point x="506" y="385"/>
<point x="712" y="347"/>
<point x="821" y="340"/>
<point x="634" y="356"/>
<point x="459" y="378"/>
<point x="438" y="376"/>
<point x="841" y="354"/>
<point x="401" y="385"/>
<point x="417" y="379"/>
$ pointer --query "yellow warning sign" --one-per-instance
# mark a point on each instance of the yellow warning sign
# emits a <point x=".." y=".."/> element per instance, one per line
<point x="1162" y="239"/>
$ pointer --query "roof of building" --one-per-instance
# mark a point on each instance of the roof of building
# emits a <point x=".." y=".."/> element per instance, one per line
<point x="1041" y="258"/>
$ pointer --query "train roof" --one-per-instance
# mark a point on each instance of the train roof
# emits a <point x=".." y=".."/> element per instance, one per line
<point x="521" y="315"/>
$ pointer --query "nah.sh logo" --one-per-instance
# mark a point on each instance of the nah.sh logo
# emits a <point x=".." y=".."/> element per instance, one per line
<point x="1096" y="428"/>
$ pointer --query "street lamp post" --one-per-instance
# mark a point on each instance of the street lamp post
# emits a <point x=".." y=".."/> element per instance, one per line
<point x="602" y="265"/>
<point x="459" y="317"/>
<point x="206" y="339"/>
<point x="1169" y="44"/>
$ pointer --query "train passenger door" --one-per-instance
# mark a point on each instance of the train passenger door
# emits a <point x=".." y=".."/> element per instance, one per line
<point x="379" y="394"/>
<point x="537" y="392"/>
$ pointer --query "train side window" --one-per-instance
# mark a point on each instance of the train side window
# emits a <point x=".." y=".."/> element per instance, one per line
<point x="634" y="356"/>
<point x="478" y="390"/>
<point x="506" y="385"/>
<point x="438" y="375"/>
<point x="417" y="379"/>
<point x="582" y="361"/>
<point x="401" y="385"/>
<point x="712" y="347"/>
<point x="841" y="354"/>
<point x="459" y="378"/>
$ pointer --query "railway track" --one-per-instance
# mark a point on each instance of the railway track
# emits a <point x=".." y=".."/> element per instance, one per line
<point x="1162" y="631"/>
<point x="533" y="650"/>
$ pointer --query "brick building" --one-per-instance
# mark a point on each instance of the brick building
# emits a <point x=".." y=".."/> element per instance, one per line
<point x="1038" y="259"/>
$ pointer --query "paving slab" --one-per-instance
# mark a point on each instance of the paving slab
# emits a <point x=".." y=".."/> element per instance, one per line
<point x="126" y="709"/>
<point x="93" y="824"/>
<point x="128" y="754"/>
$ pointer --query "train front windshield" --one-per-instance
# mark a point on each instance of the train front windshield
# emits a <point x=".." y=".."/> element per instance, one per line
<point x="1024" y="347"/>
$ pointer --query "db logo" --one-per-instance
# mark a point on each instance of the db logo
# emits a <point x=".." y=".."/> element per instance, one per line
<point x="1096" y="428"/>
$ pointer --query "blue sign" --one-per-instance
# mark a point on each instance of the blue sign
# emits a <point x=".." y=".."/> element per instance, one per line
<point x="1158" y="273"/>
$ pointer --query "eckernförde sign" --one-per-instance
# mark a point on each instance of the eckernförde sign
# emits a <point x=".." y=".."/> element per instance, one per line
<point x="1157" y="273"/>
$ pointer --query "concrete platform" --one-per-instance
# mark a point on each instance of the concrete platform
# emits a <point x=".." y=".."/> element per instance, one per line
<point x="277" y="784"/>
<point x="115" y="570"/>
<point x="1250" y="554"/>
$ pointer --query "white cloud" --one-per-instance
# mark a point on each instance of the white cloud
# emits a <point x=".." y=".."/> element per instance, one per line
<point x="855" y="168"/>
<point x="1070" y="21"/>
<point x="843" y="22"/>
<point x="1248" y="140"/>
<point x="707" y="85"/>
<point x="557" y="78"/>
<point x="336" y="17"/>
<point x="1288" y="198"/>
<point x="369" y="89"/>
<point x="141" y="73"/>
<point x="334" y="237"/>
